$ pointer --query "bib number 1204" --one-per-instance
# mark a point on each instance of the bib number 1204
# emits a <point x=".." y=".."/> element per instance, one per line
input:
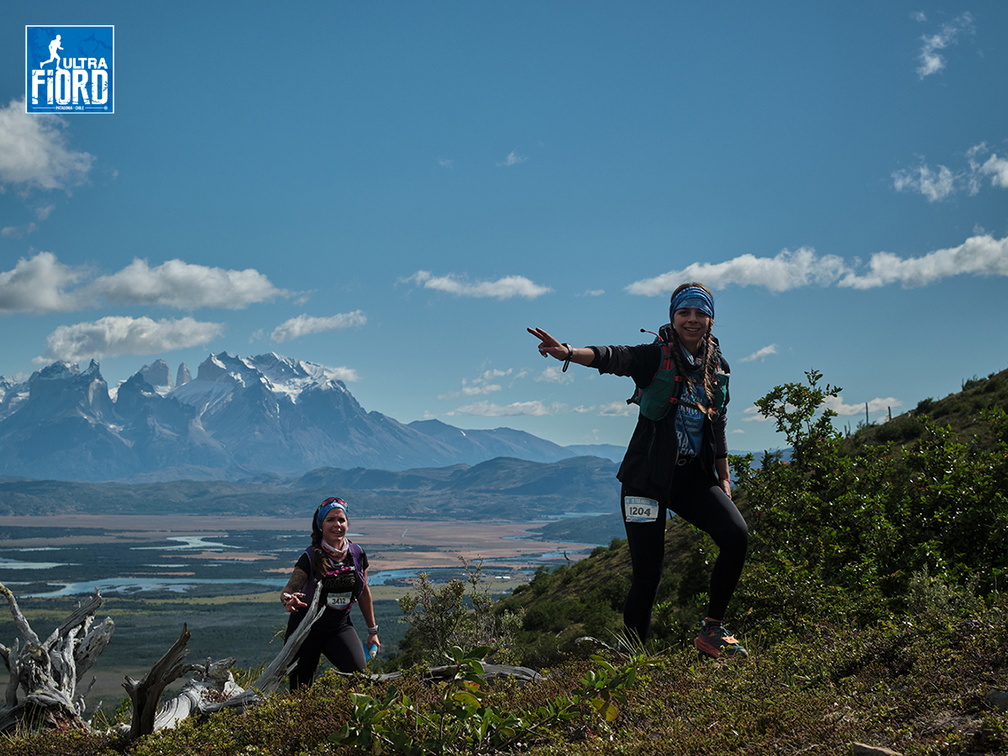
<point x="640" y="509"/>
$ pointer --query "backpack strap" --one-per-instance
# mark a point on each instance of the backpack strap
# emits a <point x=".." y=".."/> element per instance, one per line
<point x="357" y="556"/>
<point x="666" y="388"/>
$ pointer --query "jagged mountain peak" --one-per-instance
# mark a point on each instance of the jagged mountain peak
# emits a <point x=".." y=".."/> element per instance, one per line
<point x="158" y="375"/>
<point x="66" y="384"/>
<point x="59" y="371"/>
<point x="240" y="416"/>
<point x="292" y="376"/>
<point x="282" y="376"/>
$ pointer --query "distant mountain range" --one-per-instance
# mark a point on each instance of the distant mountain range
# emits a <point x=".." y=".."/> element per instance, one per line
<point x="239" y="418"/>
<point x="503" y="488"/>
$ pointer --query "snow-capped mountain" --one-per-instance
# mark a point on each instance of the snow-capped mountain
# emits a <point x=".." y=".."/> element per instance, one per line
<point x="240" y="416"/>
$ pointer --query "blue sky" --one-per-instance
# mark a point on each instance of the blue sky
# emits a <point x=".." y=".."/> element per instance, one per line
<point x="398" y="189"/>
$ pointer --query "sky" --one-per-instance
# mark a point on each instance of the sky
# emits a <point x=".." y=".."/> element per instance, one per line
<point x="396" y="190"/>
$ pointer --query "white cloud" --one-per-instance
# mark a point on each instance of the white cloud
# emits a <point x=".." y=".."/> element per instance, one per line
<point x="481" y="386"/>
<point x="879" y="405"/>
<point x="38" y="285"/>
<point x="788" y="270"/>
<point x="34" y="151"/>
<point x="503" y="288"/>
<point x="515" y="409"/>
<point x="18" y="232"/>
<point x="761" y="354"/>
<point x="751" y="414"/>
<point x="345" y="374"/>
<point x="183" y="285"/>
<point x="513" y="158"/>
<point x="553" y="374"/>
<point x="997" y="168"/>
<point x="978" y="255"/>
<point x="941" y="182"/>
<point x="931" y="61"/>
<point x="480" y="389"/>
<point x="994" y="167"/>
<point x="303" y="325"/>
<point x="43" y="284"/>
<point x="542" y="409"/>
<point x="935" y="184"/>
<point x="113" y="336"/>
<point x="616" y="409"/>
<point x="875" y="406"/>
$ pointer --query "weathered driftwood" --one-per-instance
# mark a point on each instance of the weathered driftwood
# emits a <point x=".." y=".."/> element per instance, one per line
<point x="44" y="686"/>
<point x="212" y="687"/>
<point x="146" y="693"/>
<point x="212" y="683"/>
<point x="50" y="671"/>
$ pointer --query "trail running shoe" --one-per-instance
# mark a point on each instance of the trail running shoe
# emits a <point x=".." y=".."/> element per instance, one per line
<point x="715" y="640"/>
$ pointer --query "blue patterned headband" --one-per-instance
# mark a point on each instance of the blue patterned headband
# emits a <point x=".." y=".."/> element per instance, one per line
<point x="695" y="297"/>
<point x="328" y="506"/>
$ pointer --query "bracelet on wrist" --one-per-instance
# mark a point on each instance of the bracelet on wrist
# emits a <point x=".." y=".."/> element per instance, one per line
<point x="570" y="353"/>
<point x="373" y="630"/>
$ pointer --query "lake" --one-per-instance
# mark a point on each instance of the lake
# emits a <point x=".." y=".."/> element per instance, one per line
<point x="220" y="576"/>
<point x="74" y="554"/>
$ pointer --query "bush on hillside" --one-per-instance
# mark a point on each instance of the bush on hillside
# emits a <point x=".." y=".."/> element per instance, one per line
<point x="456" y="614"/>
<point x="838" y="532"/>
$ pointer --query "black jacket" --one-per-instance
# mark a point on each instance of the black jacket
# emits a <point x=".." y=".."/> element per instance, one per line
<point x="650" y="460"/>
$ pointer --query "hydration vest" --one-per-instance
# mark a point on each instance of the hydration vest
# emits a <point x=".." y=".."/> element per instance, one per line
<point x="665" y="389"/>
<point x="345" y="582"/>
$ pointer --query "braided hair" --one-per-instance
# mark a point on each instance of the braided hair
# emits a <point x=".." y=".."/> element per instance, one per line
<point x="709" y="354"/>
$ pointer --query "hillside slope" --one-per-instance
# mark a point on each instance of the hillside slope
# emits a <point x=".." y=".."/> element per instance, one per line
<point x="961" y="411"/>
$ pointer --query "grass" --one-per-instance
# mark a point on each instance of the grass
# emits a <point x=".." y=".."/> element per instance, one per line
<point x="248" y="628"/>
<point x="916" y="684"/>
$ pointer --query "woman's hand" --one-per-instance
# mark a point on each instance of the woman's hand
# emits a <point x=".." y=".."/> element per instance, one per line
<point x="293" y="601"/>
<point x="548" y="346"/>
<point x="724" y="475"/>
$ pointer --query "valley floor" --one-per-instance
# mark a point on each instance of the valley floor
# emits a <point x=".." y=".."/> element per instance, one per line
<point x="220" y="577"/>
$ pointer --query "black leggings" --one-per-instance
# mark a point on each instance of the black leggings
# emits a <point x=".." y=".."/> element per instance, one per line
<point x="702" y="503"/>
<point x="340" y="645"/>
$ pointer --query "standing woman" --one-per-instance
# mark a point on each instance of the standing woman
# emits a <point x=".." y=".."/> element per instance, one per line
<point x="339" y="568"/>
<point x="677" y="458"/>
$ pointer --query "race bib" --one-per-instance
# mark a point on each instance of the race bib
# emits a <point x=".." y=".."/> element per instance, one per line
<point x="338" y="600"/>
<point x="339" y="587"/>
<point x="640" y="509"/>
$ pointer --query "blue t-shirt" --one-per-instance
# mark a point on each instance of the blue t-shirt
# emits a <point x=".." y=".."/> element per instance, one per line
<point x="689" y="418"/>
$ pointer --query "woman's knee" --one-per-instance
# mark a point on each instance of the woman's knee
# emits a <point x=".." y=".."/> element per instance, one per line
<point x="733" y="536"/>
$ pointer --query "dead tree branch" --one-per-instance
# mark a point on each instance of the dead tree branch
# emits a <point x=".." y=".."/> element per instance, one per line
<point x="213" y="687"/>
<point x="50" y="671"/>
<point x="44" y="675"/>
<point x="146" y="693"/>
